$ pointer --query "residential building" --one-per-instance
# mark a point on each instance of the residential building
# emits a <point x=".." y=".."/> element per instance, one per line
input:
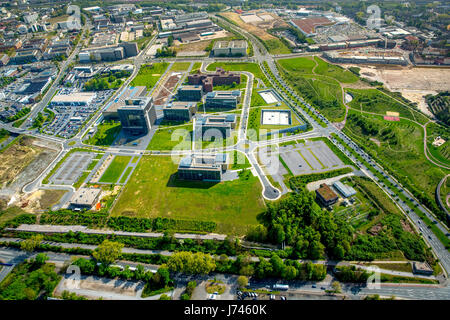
<point x="203" y="167"/>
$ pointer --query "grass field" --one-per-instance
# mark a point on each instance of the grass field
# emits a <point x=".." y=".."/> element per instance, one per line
<point x="318" y="82"/>
<point x="149" y="74"/>
<point x="196" y="67"/>
<point x="180" y="66"/>
<point x="240" y="66"/>
<point x="125" y="175"/>
<point x="162" y="139"/>
<point x="115" y="169"/>
<point x="106" y="133"/>
<point x="399" y="145"/>
<point x="372" y="100"/>
<point x="155" y="191"/>
<point x="276" y="46"/>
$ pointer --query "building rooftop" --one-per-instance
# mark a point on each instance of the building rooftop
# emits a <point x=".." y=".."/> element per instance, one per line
<point x="85" y="196"/>
<point x="128" y="93"/>
<point x="326" y="193"/>
<point x="346" y="191"/>
<point x="74" y="97"/>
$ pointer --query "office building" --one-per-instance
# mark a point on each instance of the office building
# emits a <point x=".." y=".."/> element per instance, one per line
<point x="203" y="167"/>
<point x="220" y="77"/>
<point x="137" y="115"/>
<point x="110" y="112"/>
<point x="223" y="99"/>
<point x="326" y="195"/>
<point x="179" y="110"/>
<point x="212" y="125"/>
<point x="190" y="93"/>
<point x="230" y="48"/>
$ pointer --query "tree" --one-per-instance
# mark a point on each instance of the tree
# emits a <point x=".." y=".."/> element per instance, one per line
<point x="336" y="287"/>
<point x="108" y="251"/>
<point x="242" y="281"/>
<point x="165" y="297"/>
<point x="191" y="263"/>
<point x="30" y="244"/>
<point x="290" y="273"/>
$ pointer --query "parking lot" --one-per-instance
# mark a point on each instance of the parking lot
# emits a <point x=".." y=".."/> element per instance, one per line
<point x="69" y="119"/>
<point x="72" y="168"/>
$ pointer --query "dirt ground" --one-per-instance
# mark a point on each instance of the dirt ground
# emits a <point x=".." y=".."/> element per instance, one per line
<point x="413" y="83"/>
<point x="39" y="200"/>
<point x="257" y="28"/>
<point x="164" y="91"/>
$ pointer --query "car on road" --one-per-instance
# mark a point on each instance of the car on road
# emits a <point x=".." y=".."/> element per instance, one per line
<point x="314" y="286"/>
<point x="283" y="298"/>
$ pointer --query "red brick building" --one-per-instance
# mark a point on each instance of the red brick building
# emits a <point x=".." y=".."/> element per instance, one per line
<point x="208" y="81"/>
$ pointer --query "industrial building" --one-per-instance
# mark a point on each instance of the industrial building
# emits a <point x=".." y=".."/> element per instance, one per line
<point x="203" y="167"/>
<point x="73" y="99"/>
<point x="190" y="93"/>
<point x="220" y="77"/>
<point x="235" y="48"/>
<point x="113" y="53"/>
<point x="85" y="198"/>
<point x="326" y="195"/>
<point x="110" y="111"/>
<point x="344" y="190"/>
<point x="223" y="99"/>
<point x="212" y="124"/>
<point x="179" y="111"/>
<point x="137" y="115"/>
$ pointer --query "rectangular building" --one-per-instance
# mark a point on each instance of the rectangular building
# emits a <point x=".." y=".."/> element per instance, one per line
<point x="137" y="115"/>
<point x="230" y="48"/>
<point x="326" y="196"/>
<point x="73" y="99"/>
<point x="343" y="189"/>
<point x="110" y="111"/>
<point x="213" y="125"/>
<point x="223" y="99"/>
<point x="190" y="93"/>
<point x="85" y="198"/>
<point x="203" y="167"/>
<point x="220" y="77"/>
<point x="180" y="110"/>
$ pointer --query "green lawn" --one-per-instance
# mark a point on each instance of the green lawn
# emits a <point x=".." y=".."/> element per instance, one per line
<point x="399" y="146"/>
<point x="196" y="67"/>
<point x="239" y="86"/>
<point x="240" y="66"/>
<point x="106" y="133"/>
<point x="126" y="174"/>
<point x="373" y="100"/>
<point x="155" y="191"/>
<point x="149" y="74"/>
<point x="276" y="46"/>
<point x="169" y="138"/>
<point x="115" y="169"/>
<point x="180" y="66"/>
<point x="239" y="160"/>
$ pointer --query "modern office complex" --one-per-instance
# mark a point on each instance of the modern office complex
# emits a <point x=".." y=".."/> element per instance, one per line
<point x="223" y="99"/>
<point x="208" y="81"/>
<point x="230" y="48"/>
<point x="214" y="125"/>
<point x="190" y="93"/>
<point x="137" y="115"/>
<point x="203" y="167"/>
<point x="179" y="110"/>
<point x="326" y="195"/>
<point x="110" y="112"/>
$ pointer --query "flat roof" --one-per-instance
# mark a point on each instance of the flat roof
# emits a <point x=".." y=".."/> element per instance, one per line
<point x="85" y="196"/>
<point x="74" y="97"/>
<point x="326" y="193"/>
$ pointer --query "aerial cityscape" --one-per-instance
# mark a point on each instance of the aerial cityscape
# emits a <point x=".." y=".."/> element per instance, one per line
<point x="242" y="150"/>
